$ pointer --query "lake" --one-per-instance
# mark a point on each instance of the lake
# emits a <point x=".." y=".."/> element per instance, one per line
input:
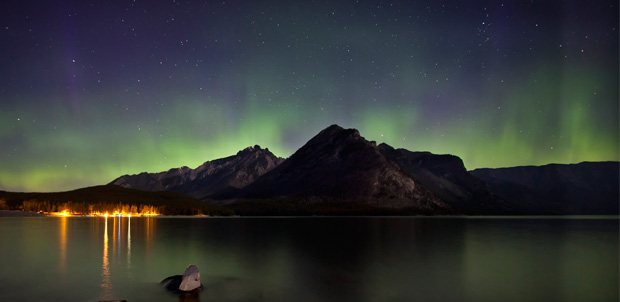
<point x="312" y="259"/>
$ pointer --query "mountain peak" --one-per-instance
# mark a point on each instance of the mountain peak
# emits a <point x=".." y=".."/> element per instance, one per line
<point x="331" y="129"/>
<point x="337" y="135"/>
<point x="212" y="176"/>
<point x="339" y="164"/>
<point x="251" y="149"/>
<point x="335" y="130"/>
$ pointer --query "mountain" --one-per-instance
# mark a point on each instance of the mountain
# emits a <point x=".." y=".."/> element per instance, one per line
<point x="340" y="165"/>
<point x="446" y="176"/>
<point x="235" y="171"/>
<point x="340" y="172"/>
<point x="584" y="188"/>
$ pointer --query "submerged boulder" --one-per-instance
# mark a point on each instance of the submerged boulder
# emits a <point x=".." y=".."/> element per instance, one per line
<point x="187" y="282"/>
<point x="172" y="283"/>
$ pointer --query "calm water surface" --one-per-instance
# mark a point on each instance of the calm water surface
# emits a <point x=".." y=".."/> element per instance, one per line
<point x="311" y="259"/>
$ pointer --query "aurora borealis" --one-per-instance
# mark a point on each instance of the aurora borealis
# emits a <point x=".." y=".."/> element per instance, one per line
<point x="91" y="90"/>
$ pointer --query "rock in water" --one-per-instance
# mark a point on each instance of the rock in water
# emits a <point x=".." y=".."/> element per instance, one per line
<point x="185" y="283"/>
<point x="191" y="279"/>
<point x="172" y="283"/>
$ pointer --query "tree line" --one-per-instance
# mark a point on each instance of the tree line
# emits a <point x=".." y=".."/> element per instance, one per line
<point x="109" y="199"/>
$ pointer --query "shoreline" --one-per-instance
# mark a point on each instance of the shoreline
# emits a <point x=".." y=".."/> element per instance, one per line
<point x="17" y="213"/>
<point x="9" y="213"/>
<point x="14" y="213"/>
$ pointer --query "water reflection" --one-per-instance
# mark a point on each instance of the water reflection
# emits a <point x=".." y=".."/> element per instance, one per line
<point x="189" y="297"/>
<point x="129" y="242"/>
<point x="105" y="273"/>
<point x="118" y="237"/>
<point x="114" y="240"/>
<point x="316" y="259"/>
<point x="114" y="248"/>
<point x="150" y="230"/>
<point x="63" y="244"/>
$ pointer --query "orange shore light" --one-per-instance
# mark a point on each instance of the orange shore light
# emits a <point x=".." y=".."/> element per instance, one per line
<point x="66" y="213"/>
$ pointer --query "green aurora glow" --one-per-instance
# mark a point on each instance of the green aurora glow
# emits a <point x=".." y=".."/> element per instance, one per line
<point x="179" y="107"/>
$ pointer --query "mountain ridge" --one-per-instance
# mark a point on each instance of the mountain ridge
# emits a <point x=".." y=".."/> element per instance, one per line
<point x="340" y="166"/>
<point x="581" y="188"/>
<point x="232" y="171"/>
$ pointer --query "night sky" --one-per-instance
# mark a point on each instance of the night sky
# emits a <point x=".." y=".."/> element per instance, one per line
<point x="91" y="90"/>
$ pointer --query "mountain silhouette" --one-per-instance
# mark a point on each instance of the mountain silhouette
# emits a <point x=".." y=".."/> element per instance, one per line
<point x="584" y="188"/>
<point x="340" y="167"/>
<point x="446" y="176"/>
<point x="211" y="177"/>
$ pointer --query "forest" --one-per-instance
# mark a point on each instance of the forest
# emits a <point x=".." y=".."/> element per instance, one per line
<point x="110" y="199"/>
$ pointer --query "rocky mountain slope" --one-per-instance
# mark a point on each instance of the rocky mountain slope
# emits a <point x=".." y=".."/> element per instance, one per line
<point x="235" y="171"/>
<point x="339" y="164"/>
<point x="446" y="176"/>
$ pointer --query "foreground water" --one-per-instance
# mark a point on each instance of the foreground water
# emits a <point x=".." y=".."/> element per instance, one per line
<point x="311" y="259"/>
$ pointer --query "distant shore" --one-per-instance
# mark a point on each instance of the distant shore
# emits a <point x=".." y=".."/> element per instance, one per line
<point x="5" y="213"/>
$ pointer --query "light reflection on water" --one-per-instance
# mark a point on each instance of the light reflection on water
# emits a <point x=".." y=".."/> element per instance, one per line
<point x="129" y="243"/>
<point x="119" y="225"/>
<point x="311" y="259"/>
<point x="106" y="286"/>
<point x="62" y="262"/>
